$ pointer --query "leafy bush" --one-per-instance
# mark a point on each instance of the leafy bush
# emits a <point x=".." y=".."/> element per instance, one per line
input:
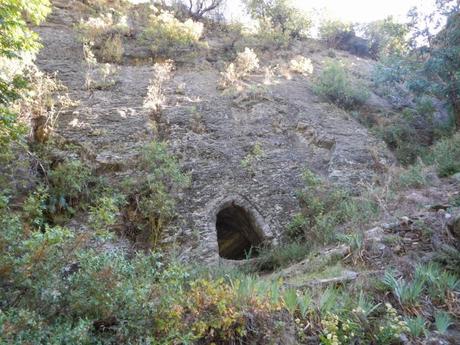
<point x="55" y="289"/>
<point x="414" y="176"/>
<point x="35" y="207"/>
<point x="15" y="35"/>
<point x="401" y="136"/>
<point x="69" y="292"/>
<point x="69" y="184"/>
<point x="323" y="207"/>
<point x="11" y="130"/>
<point x="153" y="198"/>
<point x="103" y="215"/>
<point x="168" y="37"/>
<point x="429" y="70"/>
<point x="334" y="83"/>
<point x="446" y="155"/>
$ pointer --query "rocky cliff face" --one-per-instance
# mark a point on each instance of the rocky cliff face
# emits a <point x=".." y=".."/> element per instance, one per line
<point x="213" y="132"/>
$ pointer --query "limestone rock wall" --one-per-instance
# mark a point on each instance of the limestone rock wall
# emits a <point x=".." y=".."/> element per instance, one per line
<point x="293" y="128"/>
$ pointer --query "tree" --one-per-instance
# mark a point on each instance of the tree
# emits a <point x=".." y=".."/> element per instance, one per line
<point x="386" y="37"/>
<point x="443" y="66"/>
<point x="197" y="9"/>
<point x="281" y="14"/>
<point x="15" y="36"/>
<point x="15" y="39"/>
<point x="440" y="58"/>
<point x="331" y="31"/>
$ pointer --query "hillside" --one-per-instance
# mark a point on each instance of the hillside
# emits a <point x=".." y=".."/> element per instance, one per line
<point x="218" y="191"/>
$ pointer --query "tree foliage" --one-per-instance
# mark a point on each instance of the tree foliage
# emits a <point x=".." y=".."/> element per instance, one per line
<point x="16" y="38"/>
<point x="281" y="14"/>
<point x="443" y="66"/>
<point x="386" y="37"/>
<point x="431" y="68"/>
<point x="440" y="72"/>
<point x="330" y="31"/>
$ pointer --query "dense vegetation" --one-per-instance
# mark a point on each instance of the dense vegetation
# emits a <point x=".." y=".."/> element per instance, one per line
<point x="62" y="286"/>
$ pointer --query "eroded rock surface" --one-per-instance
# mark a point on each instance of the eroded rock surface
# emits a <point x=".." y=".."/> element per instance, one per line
<point x="293" y="127"/>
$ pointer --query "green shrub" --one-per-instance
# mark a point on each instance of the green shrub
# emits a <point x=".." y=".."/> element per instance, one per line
<point x="168" y="37"/>
<point x="103" y="215"/>
<point x="11" y="131"/>
<point x="449" y="256"/>
<point x="356" y="320"/>
<point x="69" y="184"/>
<point x="446" y="155"/>
<point x="414" y="176"/>
<point x="404" y="139"/>
<point x="35" y="207"/>
<point x="153" y="198"/>
<point x="323" y="207"/>
<point x="334" y="83"/>
<point x="15" y="35"/>
<point x="69" y="293"/>
<point x="270" y="259"/>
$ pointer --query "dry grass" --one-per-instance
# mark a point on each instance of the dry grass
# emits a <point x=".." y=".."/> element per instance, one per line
<point x="112" y="49"/>
<point x="245" y="63"/>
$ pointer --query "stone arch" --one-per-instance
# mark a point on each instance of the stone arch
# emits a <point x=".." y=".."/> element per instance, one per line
<point x="239" y="228"/>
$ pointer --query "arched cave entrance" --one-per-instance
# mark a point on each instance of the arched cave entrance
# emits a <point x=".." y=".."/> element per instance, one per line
<point x="238" y="234"/>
